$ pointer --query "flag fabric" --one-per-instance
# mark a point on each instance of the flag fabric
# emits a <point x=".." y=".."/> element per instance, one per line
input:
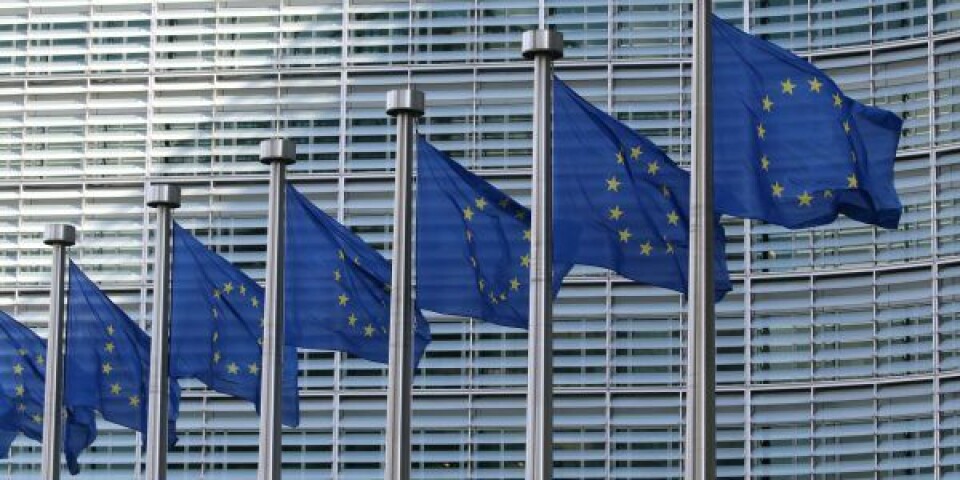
<point x="789" y="147"/>
<point x="108" y="359"/>
<point x="473" y="244"/>
<point x="621" y="201"/>
<point x="217" y="324"/>
<point x="23" y="357"/>
<point x="337" y="287"/>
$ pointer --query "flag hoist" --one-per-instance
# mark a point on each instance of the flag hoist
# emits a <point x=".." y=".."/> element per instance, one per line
<point x="543" y="47"/>
<point x="277" y="153"/>
<point x="406" y="106"/>
<point x="700" y="439"/>
<point x="59" y="236"/>
<point x="164" y="198"/>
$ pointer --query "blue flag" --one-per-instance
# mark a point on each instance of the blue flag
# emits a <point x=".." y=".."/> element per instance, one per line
<point x="623" y="203"/>
<point x="217" y="325"/>
<point x="473" y="244"/>
<point x="789" y="147"/>
<point x="108" y="359"/>
<point x="22" y="371"/>
<point x="337" y="287"/>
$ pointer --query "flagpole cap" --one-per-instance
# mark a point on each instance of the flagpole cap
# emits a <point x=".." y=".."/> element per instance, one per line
<point x="59" y="234"/>
<point x="163" y="195"/>
<point x="542" y="42"/>
<point x="278" y="150"/>
<point x="407" y="101"/>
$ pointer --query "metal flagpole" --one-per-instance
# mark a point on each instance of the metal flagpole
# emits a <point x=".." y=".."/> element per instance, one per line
<point x="59" y="236"/>
<point x="543" y="47"/>
<point x="406" y="106"/>
<point x="164" y="198"/>
<point x="700" y="447"/>
<point x="278" y="153"/>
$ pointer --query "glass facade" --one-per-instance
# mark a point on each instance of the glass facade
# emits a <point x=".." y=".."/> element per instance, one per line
<point x="838" y="350"/>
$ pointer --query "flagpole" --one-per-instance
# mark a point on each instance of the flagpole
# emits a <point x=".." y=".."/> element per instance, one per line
<point x="59" y="236"/>
<point x="164" y="198"/>
<point x="700" y="442"/>
<point x="543" y="47"/>
<point x="406" y="106"/>
<point x="277" y="153"/>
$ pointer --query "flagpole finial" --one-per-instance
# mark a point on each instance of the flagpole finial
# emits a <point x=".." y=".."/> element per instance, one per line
<point x="163" y="195"/>
<point x="542" y="41"/>
<point x="405" y="101"/>
<point x="278" y="150"/>
<point x="59" y="234"/>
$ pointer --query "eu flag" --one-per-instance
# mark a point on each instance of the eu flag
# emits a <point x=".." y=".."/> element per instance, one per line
<point x="22" y="370"/>
<point x="217" y="324"/>
<point x="337" y="287"/>
<point x="621" y="200"/>
<point x="108" y="359"/>
<point x="473" y="244"/>
<point x="789" y="147"/>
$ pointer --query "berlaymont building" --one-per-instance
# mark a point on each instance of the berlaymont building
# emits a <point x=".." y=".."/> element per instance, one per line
<point x="838" y="350"/>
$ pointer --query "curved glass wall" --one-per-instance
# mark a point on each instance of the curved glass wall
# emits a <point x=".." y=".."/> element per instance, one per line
<point x="838" y="350"/>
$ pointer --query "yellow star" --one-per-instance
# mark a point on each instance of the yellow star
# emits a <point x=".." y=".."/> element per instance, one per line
<point x="39" y="359"/>
<point x="853" y="157"/>
<point x="115" y="389"/>
<point x="493" y="299"/>
<point x="852" y="181"/>
<point x="837" y="100"/>
<point x="777" y="189"/>
<point x="673" y="218"/>
<point x="216" y="335"/>
<point x="503" y="297"/>
<point x="254" y="302"/>
<point x="18" y="369"/>
<point x="761" y="131"/>
<point x="469" y="236"/>
<point x="613" y="184"/>
<point x="787" y="86"/>
<point x="473" y="261"/>
<point x="526" y="234"/>
<point x="343" y="299"/>
<point x="635" y="153"/>
<point x="468" y="213"/>
<point x="109" y="347"/>
<point x="243" y="289"/>
<point x="37" y="418"/>
<point x="846" y="126"/>
<point x="216" y="357"/>
<point x="356" y="260"/>
<point x="253" y="368"/>
<point x="653" y="167"/>
<point x="625" y="235"/>
<point x="767" y="103"/>
<point x="665" y="191"/>
<point x="616" y="213"/>
<point x="669" y="247"/>
<point x="20" y="391"/>
<point x="520" y="214"/>
<point x="765" y="163"/>
<point x="228" y="287"/>
<point x="514" y="284"/>
<point x="214" y="312"/>
<point x="106" y="368"/>
<point x="135" y="401"/>
<point x="341" y="255"/>
<point x="619" y="157"/>
<point x="481" y="284"/>
<point x="525" y="260"/>
<point x="336" y="275"/>
<point x="110" y="330"/>
<point x="805" y="199"/>
<point x="828" y="194"/>
<point x="368" y="331"/>
<point x="21" y="407"/>
<point x="481" y="203"/>
<point x="815" y="84"/>
<point x="503" y="203"/>
<point x="352" y="319"/>
<point x="232" y="368"/>
<point x="22" y="352"/>
<point x="216" y="293"/>
<point x="646" y="248"/>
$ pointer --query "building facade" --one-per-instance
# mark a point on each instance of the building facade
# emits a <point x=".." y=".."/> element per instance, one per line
<point x="838" y="350"/>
